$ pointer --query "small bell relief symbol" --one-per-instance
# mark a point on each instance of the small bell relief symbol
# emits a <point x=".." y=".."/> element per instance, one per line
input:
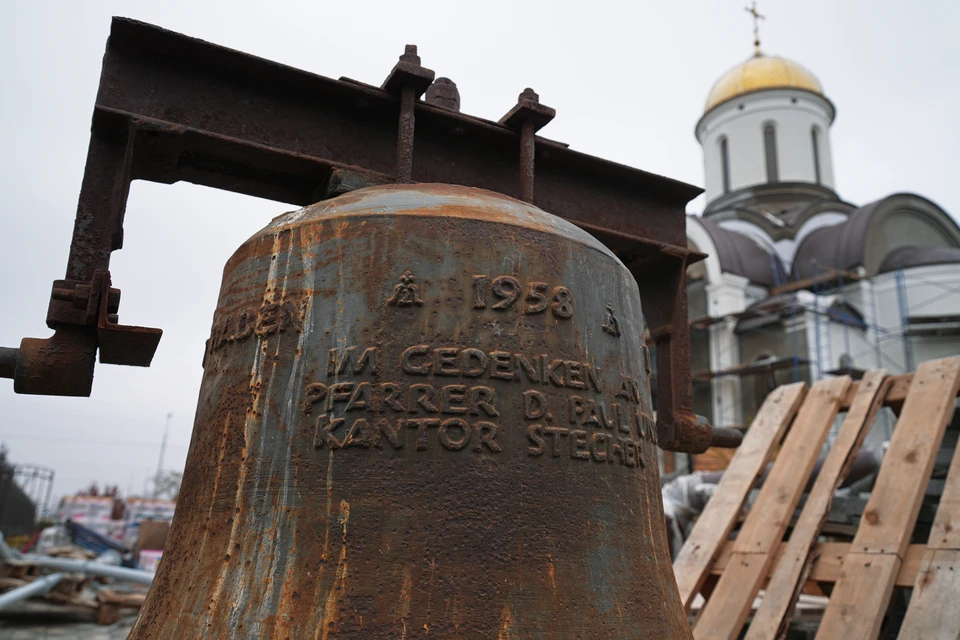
<point x="611" y="326"/>
<point x="406" y="293"/>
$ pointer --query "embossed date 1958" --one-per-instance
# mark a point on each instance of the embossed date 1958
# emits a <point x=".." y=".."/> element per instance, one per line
<point x="507" y="290"/>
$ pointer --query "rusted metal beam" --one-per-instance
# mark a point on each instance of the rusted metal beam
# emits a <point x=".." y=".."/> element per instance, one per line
<point x="174" y="108"/>
<point x="263" y="111"/>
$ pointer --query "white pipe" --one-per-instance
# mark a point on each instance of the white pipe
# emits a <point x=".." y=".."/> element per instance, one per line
<point x="91" y="567"/>
<point x="38" y="587"/>
<point x="96" y="567"/>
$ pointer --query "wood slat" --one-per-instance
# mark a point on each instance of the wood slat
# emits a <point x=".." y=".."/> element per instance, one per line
<point x="934" y="613"/>
<point x="860" y="598"/>
<point x="713" y="527"/>
<point x="893" y="396"/>
<point x="792" y="567"/>
<point x="891" y="513"/>
<point x="894" y="504"/>
<point x="828" y="562"/>
<point x="729" y="605"/>
<point x="945" y="532"/>
<point x="933" y="610"/>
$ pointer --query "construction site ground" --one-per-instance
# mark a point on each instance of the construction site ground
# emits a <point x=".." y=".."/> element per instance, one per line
<point x="39" y="621"/>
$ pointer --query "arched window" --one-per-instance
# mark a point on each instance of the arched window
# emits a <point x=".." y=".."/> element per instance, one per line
<point x="770" y="152"/>
<point x="815" y="139"/>
<point x="725" y="164"/>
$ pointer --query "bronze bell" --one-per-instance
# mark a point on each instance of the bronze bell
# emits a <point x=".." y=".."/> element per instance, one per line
<point x="425" y="413"/>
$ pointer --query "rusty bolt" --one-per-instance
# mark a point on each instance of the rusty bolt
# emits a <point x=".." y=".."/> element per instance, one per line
<point x="410" y="54"/>
<point x="529" y="95"/>
<point x="443" y="93"/>
<point x="113" y="300"/>
<point x="78" y="295"/>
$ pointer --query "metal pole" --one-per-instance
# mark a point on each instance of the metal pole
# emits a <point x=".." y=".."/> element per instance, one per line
<point x="846" y="328"/>
<point x="794" y="340"/>
<point x="36" y="588"/>
<point x="163" y="450"/>
<point x="96" y="567"/>
<point x="904" y="320"/>
<point x="878" y="352"/>
<point x="46" y="500"/>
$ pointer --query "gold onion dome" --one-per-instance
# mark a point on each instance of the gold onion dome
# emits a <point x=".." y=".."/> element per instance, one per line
<point x="761" y="72"/>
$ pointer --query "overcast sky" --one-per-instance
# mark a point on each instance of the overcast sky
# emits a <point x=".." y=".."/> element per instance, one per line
<point x="628" y="81"/>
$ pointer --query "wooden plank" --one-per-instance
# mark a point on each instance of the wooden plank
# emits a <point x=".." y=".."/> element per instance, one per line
<point x="728" y="606"/>
<point x="891" y="513"/>
<point x="857" y="604"/>
<point x="828" y="562"/>
<point x="784" y="485"/>
<point x="788" y="578"/>
<point x="933" y="612"/>
<point x="945" y="532"/>
<point x="727" y="609"/>
<point x="894" y="394"/>
<point x="713" y="527"/>
<point x="827" y="279"/>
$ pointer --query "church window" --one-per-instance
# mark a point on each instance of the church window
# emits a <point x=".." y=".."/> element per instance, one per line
<point x="815" y="138"/>
<point x="725" y="164"/>
<point x="770" y="152"/>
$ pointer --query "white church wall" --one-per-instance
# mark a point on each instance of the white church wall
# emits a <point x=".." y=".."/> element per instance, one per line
<point x="855" y="342"/>
<point x="861" y="295"/>
<point x="727" y="295"/>
<point x="741" y="122"/>
<point x="699" y="239"/>
<point x="930" y="291"/>
<point x="934" y="347"/>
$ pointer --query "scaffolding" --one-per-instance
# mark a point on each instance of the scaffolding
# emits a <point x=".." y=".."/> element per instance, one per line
<point x="784" y="304"/>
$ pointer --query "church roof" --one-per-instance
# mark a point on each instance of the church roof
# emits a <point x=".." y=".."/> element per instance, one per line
<point x="877" y="237"/>
<point x="914" y="256"/>
<point x="761" y="72"/>
<point x="741" y="255"/>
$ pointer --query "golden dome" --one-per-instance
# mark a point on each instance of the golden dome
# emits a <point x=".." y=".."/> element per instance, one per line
<point x="761" y="72"/>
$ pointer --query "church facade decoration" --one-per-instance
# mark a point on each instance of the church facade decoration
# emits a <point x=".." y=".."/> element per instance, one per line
<point x="799" y="283"/>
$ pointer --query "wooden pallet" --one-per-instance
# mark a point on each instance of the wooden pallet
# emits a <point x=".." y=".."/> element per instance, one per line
<point x="793" y="423"/>
<point x="112" y="602"/>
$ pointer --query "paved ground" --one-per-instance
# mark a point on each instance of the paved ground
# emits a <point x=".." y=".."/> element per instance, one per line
<point x="29" y="621"/>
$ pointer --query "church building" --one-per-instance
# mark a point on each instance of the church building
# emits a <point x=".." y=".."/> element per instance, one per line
<point x="800" y="283"/>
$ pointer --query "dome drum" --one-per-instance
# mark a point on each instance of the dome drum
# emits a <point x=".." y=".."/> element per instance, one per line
<point x="766" y="123"/>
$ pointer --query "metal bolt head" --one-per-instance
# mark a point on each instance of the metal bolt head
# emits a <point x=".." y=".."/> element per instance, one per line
<point x="410" y="54"/>
<point x="529" y="95"/>
<point x="443" y="93"/>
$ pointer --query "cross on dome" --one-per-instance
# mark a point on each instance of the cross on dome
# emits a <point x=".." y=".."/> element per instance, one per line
<point x="757" y="17"/>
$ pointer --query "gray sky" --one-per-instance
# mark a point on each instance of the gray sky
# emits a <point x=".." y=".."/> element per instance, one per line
<point x="628" y="81"/>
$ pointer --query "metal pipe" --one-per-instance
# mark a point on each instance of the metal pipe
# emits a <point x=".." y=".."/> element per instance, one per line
<point x="38" y="587"/>
<point x="8" y="361"/>
<point x="725" y="437"/>
<point x="95" y="567"/>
